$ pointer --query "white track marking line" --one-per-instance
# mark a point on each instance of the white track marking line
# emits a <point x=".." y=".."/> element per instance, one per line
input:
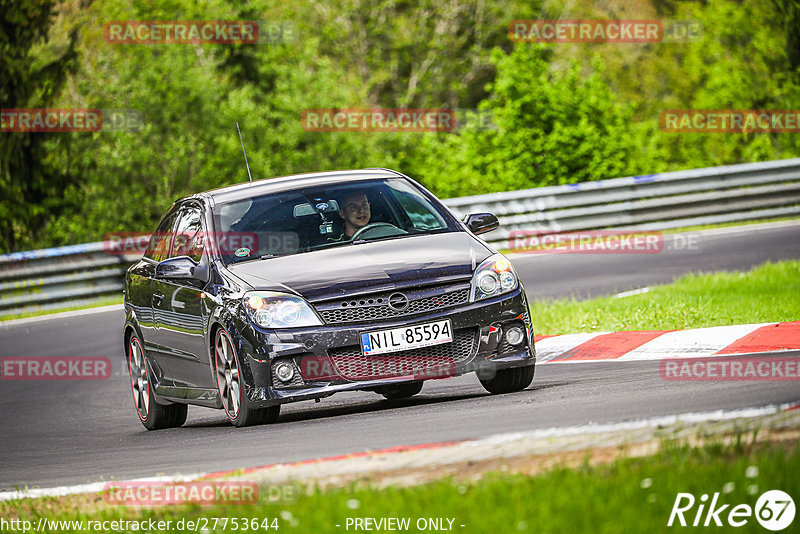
<point x="792" y="352"/>
<point x="93" y="487"/>
<point x="62" y="315"/>
<point x="743" y="228"/>
<point x="663" y="420"/>
<point x="633" y="292"/>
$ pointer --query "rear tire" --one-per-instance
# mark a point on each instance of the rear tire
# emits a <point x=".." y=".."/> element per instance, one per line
<point x="237" y="405"/>
<point x="509" y="380"/>
<point x="154" y="416"/>
<point x="400" y="391"/>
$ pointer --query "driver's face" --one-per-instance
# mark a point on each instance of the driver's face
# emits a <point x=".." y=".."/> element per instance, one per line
<point x="356" y="211"/>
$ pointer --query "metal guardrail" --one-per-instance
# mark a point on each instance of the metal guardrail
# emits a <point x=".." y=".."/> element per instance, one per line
<point x="74" y="275"/>
<point x="59" y="277"/>
<point x="653" y="202"/>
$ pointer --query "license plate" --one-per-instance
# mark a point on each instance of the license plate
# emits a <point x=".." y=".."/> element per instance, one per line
<point x="406" y="337"/>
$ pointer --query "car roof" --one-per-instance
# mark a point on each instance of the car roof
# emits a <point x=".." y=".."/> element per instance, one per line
<point x="283" y="183"/>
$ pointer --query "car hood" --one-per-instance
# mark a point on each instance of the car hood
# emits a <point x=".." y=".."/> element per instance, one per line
<point x="372" y="266"/>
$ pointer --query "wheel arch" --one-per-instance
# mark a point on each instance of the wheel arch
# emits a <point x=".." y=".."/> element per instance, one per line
<point x="131" y="327"/>
<point x="234" y="327"/>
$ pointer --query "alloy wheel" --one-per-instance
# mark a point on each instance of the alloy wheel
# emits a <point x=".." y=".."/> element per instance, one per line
<point x="140" y="385"/>
<point x="227" y="374"/>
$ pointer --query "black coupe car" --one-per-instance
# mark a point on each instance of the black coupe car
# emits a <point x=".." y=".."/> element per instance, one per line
<point x="296" y="288"/>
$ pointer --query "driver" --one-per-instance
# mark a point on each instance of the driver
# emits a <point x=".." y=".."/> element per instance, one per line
<point x="354" y="209"/>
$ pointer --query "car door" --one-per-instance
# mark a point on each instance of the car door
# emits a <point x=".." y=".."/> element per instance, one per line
<point x="182" y="312"/>
<point x="144" y="292"/>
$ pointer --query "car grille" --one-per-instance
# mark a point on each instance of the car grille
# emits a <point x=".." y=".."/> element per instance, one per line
<point x="376" y="307"/>
<point x="507" y="348"/>
<point x="504" y="347"/>
<point x="443" y="356"/>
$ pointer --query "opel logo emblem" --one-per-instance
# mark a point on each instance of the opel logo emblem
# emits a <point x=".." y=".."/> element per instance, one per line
<point x="398" y="301"/>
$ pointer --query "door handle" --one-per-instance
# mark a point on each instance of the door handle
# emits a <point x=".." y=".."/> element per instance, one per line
<point x="158" y="296"/>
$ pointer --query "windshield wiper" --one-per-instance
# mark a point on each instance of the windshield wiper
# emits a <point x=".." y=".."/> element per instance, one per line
<point x="384" y="238"/>
<point x="408" y="234"/>
<point x="259" y="258"/>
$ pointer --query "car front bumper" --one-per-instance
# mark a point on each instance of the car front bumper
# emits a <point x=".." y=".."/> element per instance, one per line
<point x="479" y="346"/>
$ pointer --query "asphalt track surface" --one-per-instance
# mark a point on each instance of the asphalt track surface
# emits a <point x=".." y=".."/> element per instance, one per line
<point x="63" y="432"/>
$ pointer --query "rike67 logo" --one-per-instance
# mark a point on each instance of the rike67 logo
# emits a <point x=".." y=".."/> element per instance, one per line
<point x="774" y="510"/>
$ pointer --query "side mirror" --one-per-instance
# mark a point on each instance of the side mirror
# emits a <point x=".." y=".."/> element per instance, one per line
<point x="480" y="223"/>
<point x="180" y="267"/>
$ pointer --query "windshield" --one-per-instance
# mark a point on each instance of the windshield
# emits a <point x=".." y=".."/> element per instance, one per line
<point x="304" y="220"/>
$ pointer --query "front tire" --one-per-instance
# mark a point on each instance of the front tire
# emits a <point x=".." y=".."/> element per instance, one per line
<point x="509" y="380"/>
<point x="154" y="416"/>
<point x="237" y="405"/>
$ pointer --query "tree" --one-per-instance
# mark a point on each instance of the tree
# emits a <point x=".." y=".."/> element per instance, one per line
<point x="415" y="54"/>
<point x="554" y="124"/>
<point x="29" y="188"/>
<point x="789" y="16"/>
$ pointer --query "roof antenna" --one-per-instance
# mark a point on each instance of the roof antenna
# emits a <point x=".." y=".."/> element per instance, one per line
<point x="245" y="153"/>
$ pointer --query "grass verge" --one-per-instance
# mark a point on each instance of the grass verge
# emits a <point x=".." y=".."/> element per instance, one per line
<point x="770" y="292"/>
<point x="626" y="495"/>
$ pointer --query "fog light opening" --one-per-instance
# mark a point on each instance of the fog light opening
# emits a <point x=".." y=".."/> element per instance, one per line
<point x="284" y="371"/>
<point x="515" y="335"/>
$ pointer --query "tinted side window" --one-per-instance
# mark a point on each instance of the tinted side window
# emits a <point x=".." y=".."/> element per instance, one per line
<point x="158" y="248"/>
<point x="188" y="240"/>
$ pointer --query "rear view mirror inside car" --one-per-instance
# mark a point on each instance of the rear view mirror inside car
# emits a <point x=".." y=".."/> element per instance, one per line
<point x="324" y="206"/>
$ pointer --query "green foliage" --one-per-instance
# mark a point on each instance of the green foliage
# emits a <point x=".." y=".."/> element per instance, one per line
<point x="561" y="113"/>
<point x="188" y="142"/>
<point x="741" y="60"/>
<point x="741" y="63"/>
<point x="26" y="181"/>
<point x="554" y="124"/>
<point x="414" y="54"/>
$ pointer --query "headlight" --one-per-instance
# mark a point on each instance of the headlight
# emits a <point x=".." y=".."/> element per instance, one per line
<point x="278" y="310"/>
<point x="493" y="277"/>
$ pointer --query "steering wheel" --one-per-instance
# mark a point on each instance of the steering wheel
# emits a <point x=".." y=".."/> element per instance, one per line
<point x="378" y="229"/>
